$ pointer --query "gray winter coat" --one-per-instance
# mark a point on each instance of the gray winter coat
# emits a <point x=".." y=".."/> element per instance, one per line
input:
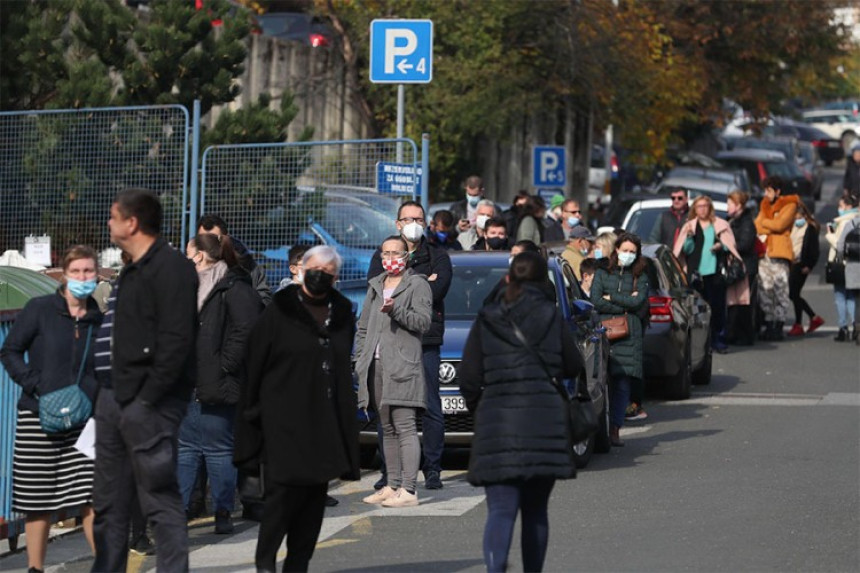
<point x="398" y="335"/>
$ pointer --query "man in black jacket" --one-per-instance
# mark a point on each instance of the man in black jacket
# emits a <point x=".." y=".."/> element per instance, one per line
<point x="151" y="363"/>
<point x="435" y="264"/>
<point x="670" y="222"/>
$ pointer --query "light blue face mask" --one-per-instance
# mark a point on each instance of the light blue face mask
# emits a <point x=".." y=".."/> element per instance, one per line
<point x="598" y="253"/>
<point x="846" y="211"/>
<point x="80" y="289"/>
<point x="626" y="259"/>
<point x="799" y="222"/>
<point x="573" y="221"/>
<point x="473" y="199"/>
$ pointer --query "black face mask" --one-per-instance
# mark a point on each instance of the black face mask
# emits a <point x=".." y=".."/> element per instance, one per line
<point x="318" y="282"/>
<point x="497" y="243"/>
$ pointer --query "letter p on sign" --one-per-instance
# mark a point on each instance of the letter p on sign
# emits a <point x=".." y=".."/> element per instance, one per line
<point x="393" y="48"/>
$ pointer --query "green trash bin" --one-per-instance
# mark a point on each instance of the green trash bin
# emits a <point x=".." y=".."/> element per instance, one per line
<point x="17" y="286"/>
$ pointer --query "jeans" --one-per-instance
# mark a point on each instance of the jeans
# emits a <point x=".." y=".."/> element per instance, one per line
<point x="136" y="450"/>
<point x="619" y="398"/>
<point x="846" y="305"/>
<point x="504" y="500"/>
<point x="206" y="435"/>
<point x="433" y="422"/>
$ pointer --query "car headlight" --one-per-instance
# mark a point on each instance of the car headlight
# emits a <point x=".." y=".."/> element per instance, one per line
<point x="447" y="372"/>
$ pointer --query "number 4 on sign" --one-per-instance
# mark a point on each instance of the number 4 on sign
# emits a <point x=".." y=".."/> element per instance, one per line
<point x="422" y="66"/>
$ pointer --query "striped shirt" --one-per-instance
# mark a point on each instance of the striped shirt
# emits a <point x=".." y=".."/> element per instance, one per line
<point x="103" y="342"/>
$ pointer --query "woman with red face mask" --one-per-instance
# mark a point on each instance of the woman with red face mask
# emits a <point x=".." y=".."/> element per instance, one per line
<point x="396" y="313"/>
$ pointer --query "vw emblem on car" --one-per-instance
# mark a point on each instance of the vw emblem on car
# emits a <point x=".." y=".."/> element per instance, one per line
<point x="447" y="372"/>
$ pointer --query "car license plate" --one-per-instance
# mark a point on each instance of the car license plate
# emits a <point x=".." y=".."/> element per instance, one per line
<point x="453" y="404"/>
<point x="833" y="144"/>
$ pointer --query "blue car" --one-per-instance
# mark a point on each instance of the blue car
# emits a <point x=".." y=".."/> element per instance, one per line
<point x="475" y="274"/>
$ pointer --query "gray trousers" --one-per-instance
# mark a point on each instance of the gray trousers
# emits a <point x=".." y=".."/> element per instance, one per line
<point x="773" y="289"/>
<point x="400" y="442"/>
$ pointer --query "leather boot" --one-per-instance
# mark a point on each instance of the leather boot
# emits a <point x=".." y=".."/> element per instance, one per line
<point x="854" y="332"/>
<point x="615" y="437"/>
<point x="778" y="333"/>
<point x="767" y="332"/>
<point x="842" y="335"/>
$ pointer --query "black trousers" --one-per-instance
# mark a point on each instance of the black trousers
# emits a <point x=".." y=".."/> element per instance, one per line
<point x="294" y="511"/>
<point x="796" y="280"/>
<point x="136" y="452"/>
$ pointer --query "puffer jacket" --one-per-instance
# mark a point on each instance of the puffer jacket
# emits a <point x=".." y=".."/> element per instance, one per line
<point x="520" y="419"/>
<point x="398" y="335"/>
<point x="775" y="220"/>
<point x="225" y="321"/>
<point x="745" y="238"/>
<point x="625" y="355"/>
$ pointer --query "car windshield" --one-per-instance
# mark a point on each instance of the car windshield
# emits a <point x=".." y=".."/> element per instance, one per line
<point x="785" y="169"/>
<point x="643" y="221"/>
<point x="470" y="285"/>
<point x="693" y="192"/>
<point x="356" y="226"/>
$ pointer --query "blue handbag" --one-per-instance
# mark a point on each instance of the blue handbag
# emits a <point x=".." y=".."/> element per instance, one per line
<point x="67" y="408"/>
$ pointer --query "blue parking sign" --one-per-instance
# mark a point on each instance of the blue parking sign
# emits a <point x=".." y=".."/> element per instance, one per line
<point x="401" y="51"/>
<point x="548" y="162"/>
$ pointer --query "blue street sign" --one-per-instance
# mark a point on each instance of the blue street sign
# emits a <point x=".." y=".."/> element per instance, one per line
<point x="398" y="178"/>
<point x="401" y="51"/>
<point x="548" y="162"/>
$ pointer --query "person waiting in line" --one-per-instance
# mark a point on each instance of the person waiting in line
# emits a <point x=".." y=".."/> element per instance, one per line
<point x="511" y="217"/>
<point x="580" y="243"/>
<point x="571" y="216"/>
<point x="702" y="242"/>
<point x="296" y="413"/>
<point x="388" y="354"/>
<point x="484" y="212"/>
<point x="844" y="298"/>
<point x="804" y="245"/>
<point x="465" y="211"/>
<point x="227" y="306"/>
<point x="442" y="232"/>
<point x="604" y="244"/>
<point x="669" y="225"/>
<point x="294" y="258"/>
<point x="622" y="290"/>
<point x="529" y="221"/>
<point x="49" y="347"/>
<point x="521" y="444"/>
<point x="740" y="322"/>
<point x="587" y="268"/>
<point x="495" y="237"/>
<point x="552" y="229"/>
<point x="519" y="247"/>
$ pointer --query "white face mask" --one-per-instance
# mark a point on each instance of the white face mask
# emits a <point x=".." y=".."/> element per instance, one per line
<point x="626" y="259"/>
<point x="481" y="221"/>
<point x="412" y="232"/>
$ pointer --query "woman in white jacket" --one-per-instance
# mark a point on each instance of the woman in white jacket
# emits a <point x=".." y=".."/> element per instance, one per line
<point x="844" y="292"/>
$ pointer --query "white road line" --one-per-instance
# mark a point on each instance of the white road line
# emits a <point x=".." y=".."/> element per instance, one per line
<point x="730" y="399"/>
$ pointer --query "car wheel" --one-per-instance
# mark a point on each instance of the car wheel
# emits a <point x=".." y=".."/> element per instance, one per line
<point x="678" y="387"/>
<point x="582" y="452"/>
<point x="602" y="444"/>
<point x="702" y="375"/>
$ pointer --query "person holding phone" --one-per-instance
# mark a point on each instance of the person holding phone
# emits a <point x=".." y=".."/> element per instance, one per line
<point x="388" y="362"/>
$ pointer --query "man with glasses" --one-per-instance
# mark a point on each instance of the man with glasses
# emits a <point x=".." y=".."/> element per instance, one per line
<point x="667" y="228"/>
<point x="579" y="247"/>
<point x="571" y="216"/>
<point x="434" y="263"/>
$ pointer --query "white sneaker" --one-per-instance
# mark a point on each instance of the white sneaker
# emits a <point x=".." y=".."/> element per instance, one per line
<point x="402" y="499"/>
<point x="380" y="495"/>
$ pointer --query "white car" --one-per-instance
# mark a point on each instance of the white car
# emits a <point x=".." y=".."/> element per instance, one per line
<point x="716" y="189"/>
<point x="838" y="124"/>
<point x="643" y="216"/>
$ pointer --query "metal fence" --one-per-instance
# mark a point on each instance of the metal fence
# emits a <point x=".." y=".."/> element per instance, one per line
<point x="339" y="193"/>
<point x="60" y="169"/>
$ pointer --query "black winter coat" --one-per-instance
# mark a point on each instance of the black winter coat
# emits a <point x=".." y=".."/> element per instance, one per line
<point x="851" y="180"/>
<point x="520" y="419"/>
<point x="743" y="228"/>
<point x="625" y="355"/>
<point x="427" y="260"/>
<point x="810" y="250"/>
<point x="45" y="331"/>
<point x="667" y="227"/>
<point x="225" y="322"/>
<point x="297" y="412"/>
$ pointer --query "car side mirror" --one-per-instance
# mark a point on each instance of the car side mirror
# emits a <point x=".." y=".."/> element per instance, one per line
<point x="582" y="309"/>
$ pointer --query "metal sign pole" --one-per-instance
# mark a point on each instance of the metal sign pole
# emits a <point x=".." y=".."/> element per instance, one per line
<point x="400" y="103"/>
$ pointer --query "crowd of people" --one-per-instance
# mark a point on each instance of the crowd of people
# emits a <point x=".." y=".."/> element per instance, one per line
<point x="189" y="365"/>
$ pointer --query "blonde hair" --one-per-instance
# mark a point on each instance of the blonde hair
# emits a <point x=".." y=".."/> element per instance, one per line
<point x="606" y="242"/>
<point x="739" y="197"/>
<point x="701" y="198"/>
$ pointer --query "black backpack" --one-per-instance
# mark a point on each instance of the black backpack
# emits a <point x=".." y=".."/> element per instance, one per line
<point x="851" y="249"/>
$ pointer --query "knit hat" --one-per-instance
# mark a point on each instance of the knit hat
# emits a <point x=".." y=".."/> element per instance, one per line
<point x="556" y="201"/>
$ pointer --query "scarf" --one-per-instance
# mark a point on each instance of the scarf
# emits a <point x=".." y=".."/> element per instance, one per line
<point x="208" y="279"/>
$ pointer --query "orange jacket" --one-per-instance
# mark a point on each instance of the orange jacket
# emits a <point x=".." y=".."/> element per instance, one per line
<point x="775" y="220"/>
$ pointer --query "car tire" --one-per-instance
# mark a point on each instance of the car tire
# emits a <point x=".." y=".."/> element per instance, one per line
<point x="602" y="443"/>
<point x="678" y="386"/>
<point x="702" y="374"/>
<point x="582" y="452"/>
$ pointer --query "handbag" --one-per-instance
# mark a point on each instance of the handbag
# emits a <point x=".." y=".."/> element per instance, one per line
<point x="616" y="327"/>
<point x="581" y="417"/>
<point x="834" y="273"/>
<point x="732" y="269"/>
<point x="67" y="408"/>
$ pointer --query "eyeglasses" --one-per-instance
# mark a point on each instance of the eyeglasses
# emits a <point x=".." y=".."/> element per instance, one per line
<point x="577" y="212"/>
<point x="393" y="254"/>
<point x="678" y="198"/>
<point x="408" y="220"/>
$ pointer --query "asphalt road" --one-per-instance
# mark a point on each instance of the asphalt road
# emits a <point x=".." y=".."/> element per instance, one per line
<point x="759" y="471"/>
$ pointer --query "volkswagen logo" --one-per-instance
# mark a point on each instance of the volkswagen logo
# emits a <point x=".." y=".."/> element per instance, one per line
<point x="447" y="372"/>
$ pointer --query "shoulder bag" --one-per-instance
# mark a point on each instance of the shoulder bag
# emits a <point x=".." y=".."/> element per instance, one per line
<point x="581" y="417"/>
<point x="834" y="272"/>
<point x="67" y="408"/>
<point x="617" y="327"/>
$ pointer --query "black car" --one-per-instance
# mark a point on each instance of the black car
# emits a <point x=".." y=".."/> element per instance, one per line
<point x="475" y="274"/>
<point x="299" y="27"/>
<point x="762" y="163"/>
<point x="829" y="149"/>
<point x="677" y="345"/>
<point x="811" y="167"/>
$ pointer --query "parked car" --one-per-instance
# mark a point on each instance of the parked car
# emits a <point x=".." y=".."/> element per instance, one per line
<point x="812" y="167"/>
<point x="299" y="27"/>
<point x="785" y="145"/>
<point x="829" y="148"/>
<point x="717" y="189"/>
<point x="851" y="105"/>
<point x="737" y="177"/>
<point x="642" y="217"/>
<point x="761" y="163"/>
<point x="838" y="124"/>
<point x="475" y="274"/>
<point x="676" y="350"/>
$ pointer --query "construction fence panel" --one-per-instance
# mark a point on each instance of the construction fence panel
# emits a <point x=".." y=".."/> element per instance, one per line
<point x="60" y="169"/>
<point x="339" y="193"/>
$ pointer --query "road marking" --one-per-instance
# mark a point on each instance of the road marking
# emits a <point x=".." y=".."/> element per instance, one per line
<point x="763" y="399"/>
